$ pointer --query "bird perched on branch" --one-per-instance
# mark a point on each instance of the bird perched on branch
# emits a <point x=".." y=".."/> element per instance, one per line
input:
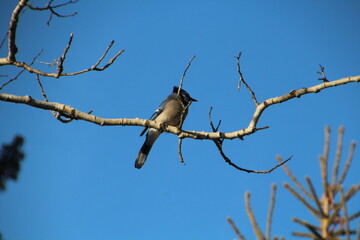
<point x="172" y="111"/>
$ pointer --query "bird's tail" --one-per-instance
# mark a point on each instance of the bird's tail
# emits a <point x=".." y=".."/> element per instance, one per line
<point x="151" y="137"/>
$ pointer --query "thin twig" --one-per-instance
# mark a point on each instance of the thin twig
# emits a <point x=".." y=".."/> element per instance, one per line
<point x="184" y="109"/>
<point x="241" y="79"/>
<point x="338" y="156"/>
<point x="306" y="235"/>
<point x="21" y="71"/>
<point x="103" y="56"/>
<point x="244" y="82"/>
<point x="12" y="79"/>
<point x="271" y="210"/>
<point x="322" y="73"/>
<point x="348" y="163"/>
<point x="62" y="117"/>
<point x="4" y="39"/>
<point x="312" y="228"/>
<point x="42" y="89"/>
<point x="55" y="114"/>
<point x="346" y="218"/>
<point x="219" y="142"/>
<point x="293" y="178"/>
<point x="180" y="151"/>
<point x="54" y="6"/>
<point x="255" y="226"/>
<point x="32" y="70"/>
<point x="60" y="66"/>
<point x="353" y="216"/>
<point x="214" y="129"/>
<point x="111" y="61"/>
<point x="301" y="199"/>
<point x="183" y="76"/>
<point x="236" y="230"/>
<point x="341" y="232"/>
<point x="352" y="191"/>
<point x="314" y="196"/>
<point x="52" y="11"/>
<point x="227" y="160"/>
<point x="324" y="161"/>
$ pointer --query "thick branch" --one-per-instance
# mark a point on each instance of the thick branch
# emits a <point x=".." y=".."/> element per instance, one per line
<point x="12" y="32"/>
<point x="78" y="115"/>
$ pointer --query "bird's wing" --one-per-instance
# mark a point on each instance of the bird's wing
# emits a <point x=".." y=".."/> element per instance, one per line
<point x="157" y="112"/>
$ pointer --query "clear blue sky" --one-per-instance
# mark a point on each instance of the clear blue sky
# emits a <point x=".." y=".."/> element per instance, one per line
<point x="78" y="180"/>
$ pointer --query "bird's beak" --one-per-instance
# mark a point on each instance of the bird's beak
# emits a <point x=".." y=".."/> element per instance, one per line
<point x="194" y="100"/>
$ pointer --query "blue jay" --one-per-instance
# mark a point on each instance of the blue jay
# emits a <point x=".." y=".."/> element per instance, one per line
<point x="170" y="112"/>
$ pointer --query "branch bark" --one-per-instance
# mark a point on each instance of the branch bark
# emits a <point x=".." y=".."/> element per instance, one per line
<point x="252" y="127"/>
<point x="12" y="48"/>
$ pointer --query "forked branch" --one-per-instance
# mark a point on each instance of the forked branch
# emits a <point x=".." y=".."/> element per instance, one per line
<point x="13" y="49"/>
<point x="76" y="114"/>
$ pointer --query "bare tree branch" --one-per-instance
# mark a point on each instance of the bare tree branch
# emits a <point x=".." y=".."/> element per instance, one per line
<point x="255" y="226"/>
<point x="57" y="115"/>
<point x="180" y="151"/>
<point x="183" y="76"/>
<point x="355" y="215"/>
<point x="236" y="230"/>
<point x="352" y="191"/>
<point x="312" y="228"/>
<point x="314" y="196"/>
<point x="219" y="145"/>
<point x="346" y="217"/>
<point x="242" y="80"/>
<point x="48" y="5"/>
<point x="293" y="178"/>
<point x="184" y="111"/>
<point x="12" y="33"/>
<point x="56" y="75"/>
<point x="324" y="160"/>
<point x="60" y="67"/>
<point x="51" y="9"/>
<point x="271" y="211"/>
<point x="305" y="235"/>
<point x="4" y="39"/>
<point x="348" y="163"/>
<point x="185" y="108"/>
<point x="227" y="160"/>
<point x="313" y="211"/>
<point x="12" y="48"/>
<point x="76" y="114"/>
<point x="322" y="73"/>
<point x="21" y="71"/>
<point x="338" y="155"/>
